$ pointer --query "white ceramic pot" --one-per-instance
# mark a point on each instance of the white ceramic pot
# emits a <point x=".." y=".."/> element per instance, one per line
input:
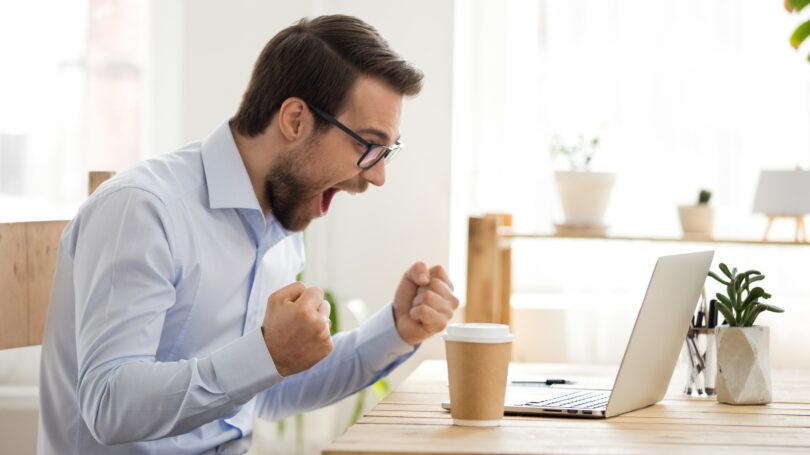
<point x="696" y="220"/>
<point x="584" y="196"/>
<point x="743" y="365"/>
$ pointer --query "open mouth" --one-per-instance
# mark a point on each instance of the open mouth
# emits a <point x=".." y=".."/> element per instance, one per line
<point x="326" y="199"/>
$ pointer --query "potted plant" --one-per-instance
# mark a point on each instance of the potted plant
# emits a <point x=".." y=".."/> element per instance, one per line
<point x="743" y="359"/>
<point x="697" y="220"/>
<point x="584" y="194"/>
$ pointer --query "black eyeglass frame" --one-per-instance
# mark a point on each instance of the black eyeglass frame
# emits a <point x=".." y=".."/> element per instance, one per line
<point x="388" y="152"/>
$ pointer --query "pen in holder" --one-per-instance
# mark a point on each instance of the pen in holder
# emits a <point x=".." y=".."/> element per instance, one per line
<point x="701" y="353"/>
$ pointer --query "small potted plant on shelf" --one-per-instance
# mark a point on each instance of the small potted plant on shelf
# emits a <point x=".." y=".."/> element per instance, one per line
<point x="743" y="359"/>
<point x="697" y="220"/>
<point x="584" y="194"/>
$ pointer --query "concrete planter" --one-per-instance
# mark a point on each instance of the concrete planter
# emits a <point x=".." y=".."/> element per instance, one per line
<point x="743" y="365"/>
<point x="584" y="196"/>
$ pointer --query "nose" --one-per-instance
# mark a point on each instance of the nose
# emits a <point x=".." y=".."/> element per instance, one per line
<point x="375" y="174"/>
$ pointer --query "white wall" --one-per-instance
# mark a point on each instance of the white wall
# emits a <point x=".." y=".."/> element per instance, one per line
<point x="204" y="52"/>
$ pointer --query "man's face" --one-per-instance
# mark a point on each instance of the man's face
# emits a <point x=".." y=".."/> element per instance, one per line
<point x="301" y="183"/>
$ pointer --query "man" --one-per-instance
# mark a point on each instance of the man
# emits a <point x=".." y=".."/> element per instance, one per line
<point x="175" y="316"/>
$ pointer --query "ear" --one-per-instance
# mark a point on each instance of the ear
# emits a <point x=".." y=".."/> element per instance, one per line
<point x="294" y="119"/>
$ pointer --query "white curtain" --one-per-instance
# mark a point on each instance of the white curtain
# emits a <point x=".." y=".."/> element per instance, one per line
<point x="684" y="95"/>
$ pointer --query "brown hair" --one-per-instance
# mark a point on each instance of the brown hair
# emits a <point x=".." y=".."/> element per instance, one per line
<point x="318" y="60"/>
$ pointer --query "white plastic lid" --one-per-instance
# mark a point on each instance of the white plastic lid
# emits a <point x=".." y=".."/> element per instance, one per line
<point x="478" y="332"/>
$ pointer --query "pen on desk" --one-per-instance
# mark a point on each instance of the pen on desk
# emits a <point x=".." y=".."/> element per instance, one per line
<point x="548" y="382"/>
<point x="699" y="342"/>
<point x="697" y="364"/>
<point x="691" y="378"/>
<point x="711" y="351"/>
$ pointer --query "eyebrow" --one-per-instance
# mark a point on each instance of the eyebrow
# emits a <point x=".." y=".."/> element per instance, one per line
<point x="379" y="133"/>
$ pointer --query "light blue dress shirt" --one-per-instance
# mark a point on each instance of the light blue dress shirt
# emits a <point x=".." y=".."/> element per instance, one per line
<point x="153" y="341"/>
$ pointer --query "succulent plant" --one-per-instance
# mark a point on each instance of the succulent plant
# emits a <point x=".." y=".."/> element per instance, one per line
<point x="579" y="155"/>
<point x="741" y="305"/>
<point x="704" y="197"/>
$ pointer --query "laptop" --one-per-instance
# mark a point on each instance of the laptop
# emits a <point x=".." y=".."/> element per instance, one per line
<point x="649" y="358"/>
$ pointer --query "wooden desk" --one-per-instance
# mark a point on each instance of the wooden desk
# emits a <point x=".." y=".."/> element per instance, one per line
<point x="410" y="420"/>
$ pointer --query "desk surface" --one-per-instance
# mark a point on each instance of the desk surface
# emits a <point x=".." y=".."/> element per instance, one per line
<point x="410" y="420"/>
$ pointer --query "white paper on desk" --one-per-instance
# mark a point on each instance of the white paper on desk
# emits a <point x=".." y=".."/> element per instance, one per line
<point x="783" y="193"/>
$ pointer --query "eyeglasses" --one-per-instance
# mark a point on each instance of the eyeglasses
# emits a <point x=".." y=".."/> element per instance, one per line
<point x="374" y="152"/>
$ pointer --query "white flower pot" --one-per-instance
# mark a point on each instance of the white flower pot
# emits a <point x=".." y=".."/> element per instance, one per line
<point x="697" y="221"/>
<point x="743" y="365"/>
<point x="584" y="196"/>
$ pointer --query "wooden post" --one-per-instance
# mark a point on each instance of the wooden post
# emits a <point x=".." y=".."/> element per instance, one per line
<point x="27" y="262"/>
<point x="96" y="178"/>
<point x="483" y="271"/>
<point x="43" y="244"/>
<point x="13" y="282"/>
<point x="505" y="268"/>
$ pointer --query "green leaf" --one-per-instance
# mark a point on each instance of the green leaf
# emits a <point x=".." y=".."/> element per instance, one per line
<point x="755" y="293"/>
<point x="381" y="388"/>
<point x="752" y="272"/>
<point x="739" y="287"/>
<point x="752" y="316"/>
<point x="725" y="300"/>
<point x="724" y="269"/>
<point x="798" y="36"/>
<point x="358" y="407"/>
<point x="726" y="311"/>
<point x="714" y="275"/>
<point x="754" y="279"/>
<point x="774" y="308"/>
<point x="734" y="272"/>
<point x="333" y="314"/>
<point x="732" y="295"/>
<point x="798" y="5"/>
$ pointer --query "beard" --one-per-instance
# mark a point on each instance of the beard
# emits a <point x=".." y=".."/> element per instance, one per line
<point x="288" y="194"/>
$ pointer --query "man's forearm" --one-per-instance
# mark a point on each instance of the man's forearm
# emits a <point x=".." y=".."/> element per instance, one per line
<point x="139" y="399"/>
<point x="359" y="358"/>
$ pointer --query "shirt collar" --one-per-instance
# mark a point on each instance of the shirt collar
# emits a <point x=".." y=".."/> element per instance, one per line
<point x="225" y="174"/>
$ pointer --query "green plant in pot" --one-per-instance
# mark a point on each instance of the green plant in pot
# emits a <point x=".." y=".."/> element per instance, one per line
<point x="584" y="194"/>
<point x="697" y="221"/>
<point x="743" y="358"/>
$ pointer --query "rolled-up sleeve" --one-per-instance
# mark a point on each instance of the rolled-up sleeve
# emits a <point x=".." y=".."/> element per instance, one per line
<point x="124" y="285"/>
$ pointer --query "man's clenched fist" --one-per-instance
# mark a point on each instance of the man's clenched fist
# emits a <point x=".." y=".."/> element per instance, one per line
<point x="424" y="303"/>
<point x="296" y="328"/>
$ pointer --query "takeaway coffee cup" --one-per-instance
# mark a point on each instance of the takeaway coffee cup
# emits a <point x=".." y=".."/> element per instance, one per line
<point x="478" y="357"/>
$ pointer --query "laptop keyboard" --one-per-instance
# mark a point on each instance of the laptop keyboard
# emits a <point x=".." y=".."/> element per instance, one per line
<point x="581" y="399"/>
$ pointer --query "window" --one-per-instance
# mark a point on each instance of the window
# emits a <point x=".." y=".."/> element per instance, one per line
<point x="71" y="90"/>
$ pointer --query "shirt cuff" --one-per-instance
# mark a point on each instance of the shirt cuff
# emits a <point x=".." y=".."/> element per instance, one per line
<point x="244" y="367"/>
<point x="379" y="342"/>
